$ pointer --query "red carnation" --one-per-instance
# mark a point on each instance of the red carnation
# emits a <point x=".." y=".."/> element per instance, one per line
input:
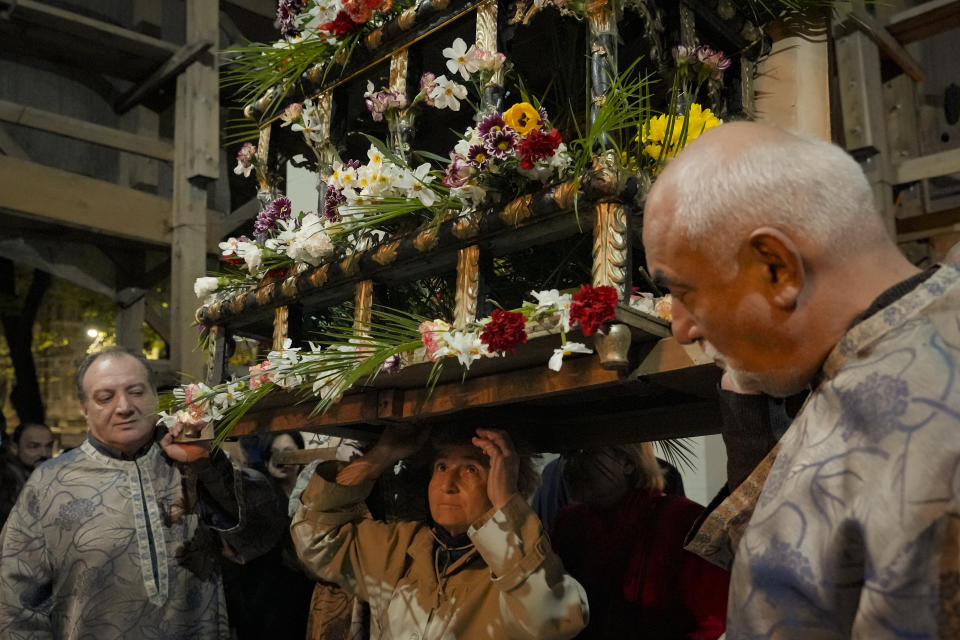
<point x="592" y="306"/>
<point x="505" y="331"/>
<point x="537" y="145"/>
<point x="339" y="26"/>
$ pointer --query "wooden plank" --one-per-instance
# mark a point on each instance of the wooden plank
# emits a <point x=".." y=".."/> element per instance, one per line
<point x="72" y="199"/>
<point x="928" y="221"/>
<point x="151" y="147"/>
<point x="888" y="45"/>
<point x="179" y="61"/>
<point x="925" y="20"/>
<point x="577" y="376"/>
<point x="9" y="146"/>
<point x="68" y="198"/>
<point x="75" y="26"/>
<point x="930" y="166"/>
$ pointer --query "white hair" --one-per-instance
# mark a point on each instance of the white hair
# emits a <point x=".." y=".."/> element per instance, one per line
<point x="802" y="186"/>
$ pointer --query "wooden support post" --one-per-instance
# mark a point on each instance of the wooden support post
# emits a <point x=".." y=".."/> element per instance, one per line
<point x="792" y="86"/>
<point x="468" y="286"/>
<point x="196" y="139"/>
<point x="143" y="173"/>
<point x="864" y="120"/>
<point x="129" y="322"/>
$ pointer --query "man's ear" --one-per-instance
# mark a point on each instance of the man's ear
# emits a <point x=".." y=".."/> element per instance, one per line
<point x="782" y="265"/>
<point x="14" y="448"/>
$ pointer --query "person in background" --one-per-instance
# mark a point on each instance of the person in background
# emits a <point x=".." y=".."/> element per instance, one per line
<point x="269" y="597"/>
<point x="31" y="444"/>
<point x="622" y="539"/>
<point x="123" y="536"/>
<point x="11" y="477"/>
<point x="783" y="272"/>
<point x="481" y="568"/>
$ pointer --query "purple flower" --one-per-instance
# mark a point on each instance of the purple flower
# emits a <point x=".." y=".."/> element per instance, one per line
<point x="428" y="82"/>
<point x="493" y="122"/>
<point x="501" y="143"/>
<point x="279" y="209"/>
<point x="458" y="171"/>
<point x="714" y="61"/>
<point x="353" y="164"/>
<point x="477" y="156"/>
<point x="287" y="12"/>
<point x="331" y="200"/>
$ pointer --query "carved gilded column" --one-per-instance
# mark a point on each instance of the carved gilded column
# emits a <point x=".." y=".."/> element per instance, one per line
<point x="281" y="326"/>
<point x="492" y="97"/>
<point x="362" y="306"/>
<point x="399" y="122"/>
<point x="266" y="192"/>
<point x="468" y="286"/>
<point x="217" y="346"/>
<point x="602" y="40"/>
<point x="611" y="268"/>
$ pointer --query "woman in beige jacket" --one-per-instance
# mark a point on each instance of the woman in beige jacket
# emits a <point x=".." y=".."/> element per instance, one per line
<point x="483" y="569"/>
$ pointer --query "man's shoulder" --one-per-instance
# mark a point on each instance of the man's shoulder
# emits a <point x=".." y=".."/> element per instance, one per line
<point x="67" y="458"/>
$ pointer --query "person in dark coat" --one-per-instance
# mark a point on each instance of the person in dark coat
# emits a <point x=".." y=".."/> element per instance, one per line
<point x="622" y="539"/>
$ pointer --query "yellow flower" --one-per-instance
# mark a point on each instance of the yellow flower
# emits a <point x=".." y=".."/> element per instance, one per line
<point x="522" y="118"/>
<point x="654" y="131"/>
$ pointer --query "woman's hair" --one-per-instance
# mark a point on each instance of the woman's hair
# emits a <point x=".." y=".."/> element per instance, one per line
<point x="456" y="435"/>
<point x="646" y="474"/>
<point x="267" y="440"/>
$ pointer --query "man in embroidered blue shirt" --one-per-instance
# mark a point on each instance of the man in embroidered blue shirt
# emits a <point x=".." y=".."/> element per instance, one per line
<point x="122" y="536"/>
<point x="782" y="270"/>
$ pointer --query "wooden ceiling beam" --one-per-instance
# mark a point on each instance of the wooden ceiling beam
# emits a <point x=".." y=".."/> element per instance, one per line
<point x="78" y="26"/>
<point x="151" y="147"/>
<point x="184" y="57"/>
<point x="62" y="197"/>
<point x="925" y="20"/>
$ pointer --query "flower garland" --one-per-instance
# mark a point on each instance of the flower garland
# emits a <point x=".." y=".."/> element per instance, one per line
<point x="326" y="370"/>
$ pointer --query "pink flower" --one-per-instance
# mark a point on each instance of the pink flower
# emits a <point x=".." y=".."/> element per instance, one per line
<point x="430" y="331"/>
<point x="258" y="376"/>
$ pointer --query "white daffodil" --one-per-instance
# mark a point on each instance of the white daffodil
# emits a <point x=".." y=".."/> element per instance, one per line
<point x="310" y="126"/>
<point x="551" y="301"/>
<point x="556" y="360"/>
<point x="447" y="94"/>
<point x="463" y="345"/>
<point x="469" y="194"/>
<point x="251" y="254"/>
<point x="459" y="60"/>
<point x="205" y="286"/>
<point x="165" y="419"/>
<point x="324" y="11"/>
<point x="416" y="182"/>
<point x="230" y="396"/>
<point x="283" y="363"/>
<point x="376" y="158"/>
<point x="229" y="246"/>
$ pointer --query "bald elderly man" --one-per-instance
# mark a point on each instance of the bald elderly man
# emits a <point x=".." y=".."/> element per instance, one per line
<point x="782" y="271"/>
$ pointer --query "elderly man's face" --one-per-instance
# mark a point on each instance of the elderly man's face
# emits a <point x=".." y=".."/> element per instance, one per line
<point x="458" y="488"/>
<point x="119" y="402"/>
<point x="725" y="309"/>
<point x="35" y="446"/>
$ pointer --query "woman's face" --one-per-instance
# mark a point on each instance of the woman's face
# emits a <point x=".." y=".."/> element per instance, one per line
<point x="597" y="479"/>
<point x="282" y="443"/>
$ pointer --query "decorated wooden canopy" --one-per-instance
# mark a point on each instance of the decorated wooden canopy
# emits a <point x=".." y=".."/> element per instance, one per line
<point x="481" y="171"/>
